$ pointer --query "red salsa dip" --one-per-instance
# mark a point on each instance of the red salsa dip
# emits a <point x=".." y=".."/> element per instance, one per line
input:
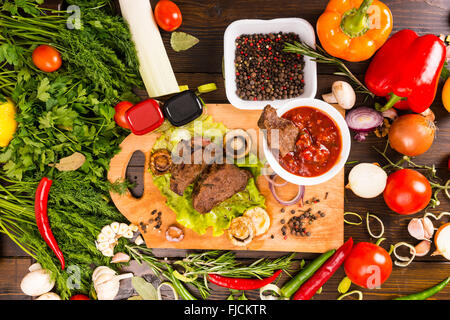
<point x="318" y="145"/>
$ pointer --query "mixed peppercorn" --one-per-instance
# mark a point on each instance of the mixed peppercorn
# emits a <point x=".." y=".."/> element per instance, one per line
<point x="264" y="71"/>
<point x="156" y="220"/>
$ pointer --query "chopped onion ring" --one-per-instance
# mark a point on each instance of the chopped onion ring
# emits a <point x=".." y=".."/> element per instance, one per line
<point x="368" y="226"/>
<point x="158" y="290"/>
<point x="429" y="214"/>
<point x="270" y="287"/>
<point x="359" y="293"/>
<point x="353" y="214"/>
<point x="344" y="285"/>
<point x="271" y="179"/>
<point x="447" y="184"/>
<point x="405" y="260"/>
<point x="296" y="199"/>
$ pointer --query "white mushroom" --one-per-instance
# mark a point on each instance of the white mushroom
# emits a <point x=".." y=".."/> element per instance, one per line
<point x="49" y="296"/>
<point x="341" y="93"/>
<point x="37" y="283"/>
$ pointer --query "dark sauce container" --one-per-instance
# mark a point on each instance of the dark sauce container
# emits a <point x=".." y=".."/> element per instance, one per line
<point x="183" y="108"/>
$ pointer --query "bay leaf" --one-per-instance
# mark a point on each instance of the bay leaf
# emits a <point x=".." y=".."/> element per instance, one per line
<point x="70" y="163"/>
<point x="145" y="289"/>
<point x="181" y="41"/>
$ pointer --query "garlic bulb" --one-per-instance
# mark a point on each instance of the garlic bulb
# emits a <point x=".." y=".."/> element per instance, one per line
<point x="107" y="282"/>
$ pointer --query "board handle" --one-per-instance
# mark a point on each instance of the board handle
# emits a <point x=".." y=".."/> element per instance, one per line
<point x="127" y="203"/>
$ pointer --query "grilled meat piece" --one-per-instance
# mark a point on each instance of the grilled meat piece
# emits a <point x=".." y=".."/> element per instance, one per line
<point x="283" y="141"/>
<point x="190" y="160"/>
<point x="217" y="184"/>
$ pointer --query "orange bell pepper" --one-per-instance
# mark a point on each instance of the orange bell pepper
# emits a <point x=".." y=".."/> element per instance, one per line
<point x="353" y="30"/>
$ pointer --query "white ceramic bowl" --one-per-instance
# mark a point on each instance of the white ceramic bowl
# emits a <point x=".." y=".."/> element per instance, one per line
<point x="250" y="26"/>
<point x="334" y="114"/>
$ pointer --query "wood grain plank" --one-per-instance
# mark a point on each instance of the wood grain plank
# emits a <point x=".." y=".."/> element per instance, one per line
<point x="208" y="20"/>
<point x="403" y="281"/>
<point x="12" y="270"/>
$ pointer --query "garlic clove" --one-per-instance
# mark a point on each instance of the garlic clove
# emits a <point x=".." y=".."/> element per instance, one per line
<point x="102" y="245"/>
<point x="107" y="290"/>
<point x="115" y="227"/>
<point x="102" y="237"/>
<point x="108" y="232"/>
<point x="139" y="240"/>
<point x="123" y="228"/>
<point x="120" y="257"/>
<point x="109" y="252"/>
<point x="128" y="234"/>
<point x="416" y="229"/>
<point x="428" y="227"/>
<point x="422" y="248"/>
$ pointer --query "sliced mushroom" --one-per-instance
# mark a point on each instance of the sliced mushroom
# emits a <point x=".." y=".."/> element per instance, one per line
<point x="160" y="162"/>
<point x="342" y="94"/>
<point x="241" y="231"/>
<point x="238" y="143"/>
<point x="174" y="234"/>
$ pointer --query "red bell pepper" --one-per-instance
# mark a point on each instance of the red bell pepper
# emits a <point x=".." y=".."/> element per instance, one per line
<point x="406" y="70"/>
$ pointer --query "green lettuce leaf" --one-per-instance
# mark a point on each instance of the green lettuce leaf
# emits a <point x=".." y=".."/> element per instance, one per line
<point x="220" y="216"/>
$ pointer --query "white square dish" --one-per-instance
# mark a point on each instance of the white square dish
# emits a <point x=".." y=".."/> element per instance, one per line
<point x="251" y="26"/>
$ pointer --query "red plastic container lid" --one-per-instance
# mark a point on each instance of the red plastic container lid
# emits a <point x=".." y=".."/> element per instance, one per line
<point x="144" y="117"/>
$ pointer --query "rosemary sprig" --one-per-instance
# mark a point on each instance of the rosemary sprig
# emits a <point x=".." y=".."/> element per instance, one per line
<point x="197" y="266"/>
<point x="321" y="56"/>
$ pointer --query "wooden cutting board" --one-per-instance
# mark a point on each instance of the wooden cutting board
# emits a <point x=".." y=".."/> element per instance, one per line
<point x="325" y="233"/>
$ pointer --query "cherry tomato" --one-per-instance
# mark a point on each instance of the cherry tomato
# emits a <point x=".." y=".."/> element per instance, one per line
<point x="46" y="58"/>
<point x="368" y="265"/>
<point x="79" y="297"/>
<point x="407" y="191"/>
<point x="119" y="117"/>
<point x="168" y="15"/>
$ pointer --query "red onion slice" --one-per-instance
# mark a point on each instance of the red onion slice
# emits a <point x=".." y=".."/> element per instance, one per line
<point x="363" y="120"/>
<point x="296" y="199"/>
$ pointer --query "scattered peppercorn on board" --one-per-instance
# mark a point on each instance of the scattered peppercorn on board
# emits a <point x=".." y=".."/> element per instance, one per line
<point x="325" y="202"/>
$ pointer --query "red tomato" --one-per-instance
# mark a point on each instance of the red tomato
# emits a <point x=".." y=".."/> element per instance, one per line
<point x="448" y="163"/>
<point x="79" y="297"/>
<point x="407" y="191"/>
<point x="168" y="15"/>
<point x="368" y="265"/>
<point x="119" y="117"/>
<point x="46" y="58"/>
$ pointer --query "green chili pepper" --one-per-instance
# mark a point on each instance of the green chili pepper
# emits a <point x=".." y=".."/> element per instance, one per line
<point x="427" y="293"/>
<point x="292" y="286"/>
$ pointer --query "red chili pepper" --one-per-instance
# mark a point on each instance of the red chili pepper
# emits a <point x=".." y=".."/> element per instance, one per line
<point x="240" y="283"/>
<point x="40" y="210"/>
<point x="406" y="70"/>
<point x="310" y="287"/>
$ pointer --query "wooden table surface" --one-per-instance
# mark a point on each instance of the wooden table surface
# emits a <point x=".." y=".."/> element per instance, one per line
<point x="207" y="20"/>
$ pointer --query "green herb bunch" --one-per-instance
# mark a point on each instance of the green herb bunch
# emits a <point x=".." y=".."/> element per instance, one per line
<point x="77" y="211"/>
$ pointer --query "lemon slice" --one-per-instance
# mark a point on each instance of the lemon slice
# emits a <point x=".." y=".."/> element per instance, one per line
<point x="260" y="219"/>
